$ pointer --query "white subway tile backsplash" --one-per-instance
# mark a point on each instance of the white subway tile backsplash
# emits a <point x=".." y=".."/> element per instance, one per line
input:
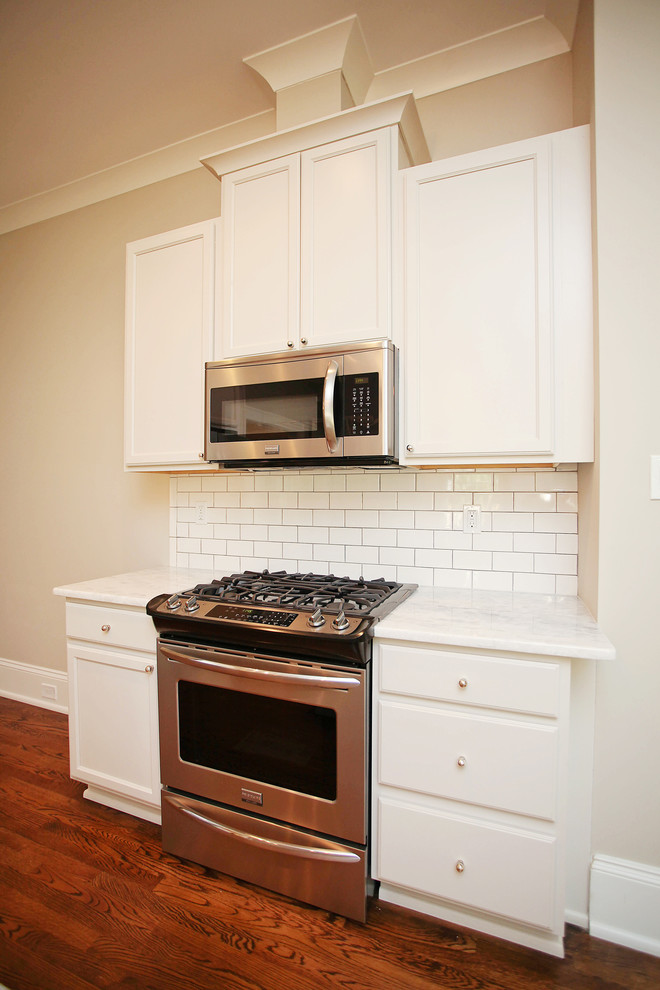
<point x="556" y="481"/>
<point x="539" y="584"/>
<point x="433" y="520"/>
<point x="514" y="482"/>
<point x="379" y="537"/>
<point x="534" y="542"/>
<point x="555" y="522"/>
<point x="403" y="525"/>
<point x="535" y="502"/>
<point x="473" y="482"/>
<point x="349" y="537"/>
<point x="494" y="501"/>
<point x="492" y="581"/>
<point x="445" y="577"/>
<point x="473" y="560"/>
<point x="567" y="502"/>
<point x="433" y="558"/>
<point x="414" y="538"/>
<point x="378" y="500"/>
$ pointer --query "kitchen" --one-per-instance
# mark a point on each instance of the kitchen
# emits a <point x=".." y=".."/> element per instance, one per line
<point x="109" y="522"/>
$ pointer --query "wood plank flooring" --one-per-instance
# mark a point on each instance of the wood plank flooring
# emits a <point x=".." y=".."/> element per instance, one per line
<point x="89" y="900"/>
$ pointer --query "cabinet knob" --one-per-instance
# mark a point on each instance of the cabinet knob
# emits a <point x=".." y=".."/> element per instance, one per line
<point x="303" y="340"/>
<point x="149" y="669"/>
<point x="461" y="761"/>
<point x="201" y="454"/>
<point x="460" y="866"/>
<point x="462" y="683"/>
<point x="289" y="343"/>
<point x="105" y="627"/>
<point x="409" y="448"/>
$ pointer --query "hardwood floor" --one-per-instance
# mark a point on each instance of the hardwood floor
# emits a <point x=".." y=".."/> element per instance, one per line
<point x="88" y="899"/>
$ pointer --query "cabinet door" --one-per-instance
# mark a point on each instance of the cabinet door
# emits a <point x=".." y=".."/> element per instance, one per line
<point x="113" y="722"/>
<point x="169" y="335"/>
<point x="479" y="376"/>
<point x="261" y="282"/>
<point x="346" y="240"/>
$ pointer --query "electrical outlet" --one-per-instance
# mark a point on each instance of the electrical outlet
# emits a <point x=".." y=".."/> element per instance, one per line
<point x="471" y="518"/>
<point x="201" y="513"/>
<point x="49" y="691"/>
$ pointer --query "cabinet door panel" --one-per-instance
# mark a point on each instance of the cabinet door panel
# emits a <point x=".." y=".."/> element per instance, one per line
<point x="113" y="722"/>
<point x="506" y="871"/>
<point x="508" y="765"/>
<point x="345" y="247"/>
<point x="479" y="378"/>
<point x="169" y="336"/>
<point x="261" y="215"/>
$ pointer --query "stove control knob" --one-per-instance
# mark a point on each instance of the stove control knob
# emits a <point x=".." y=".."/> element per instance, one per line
<point x="316" y="619"/>
<point x="341" y="622"/>
<point x="192" y="604"/>
<point x="173" y="602"/>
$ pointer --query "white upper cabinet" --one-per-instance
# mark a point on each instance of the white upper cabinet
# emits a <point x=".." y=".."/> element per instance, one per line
<point x="170" y="293"/>
<point x="307" y="247"/>
<point x="498" y="334"/>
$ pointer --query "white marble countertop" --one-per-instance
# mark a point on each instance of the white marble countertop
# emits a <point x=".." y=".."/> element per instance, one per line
<point x="554" y="625"/>
<point x="523" y="623"/>
<point x="135" y="588"/>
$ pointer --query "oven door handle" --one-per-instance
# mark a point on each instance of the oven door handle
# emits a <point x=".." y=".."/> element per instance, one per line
<point x="274" y="676"/>
<point x="337" y="855"/>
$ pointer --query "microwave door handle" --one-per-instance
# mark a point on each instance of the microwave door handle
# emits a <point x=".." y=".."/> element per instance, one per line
<point x="328" y="406"/>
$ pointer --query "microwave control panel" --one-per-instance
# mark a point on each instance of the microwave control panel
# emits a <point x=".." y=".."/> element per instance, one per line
<point x="361" y="405"/>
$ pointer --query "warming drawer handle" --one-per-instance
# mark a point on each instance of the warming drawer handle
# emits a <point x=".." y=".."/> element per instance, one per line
<point x="289" y="849"/>
<point x="274" y="676"/>
<point x="328" y="406"/>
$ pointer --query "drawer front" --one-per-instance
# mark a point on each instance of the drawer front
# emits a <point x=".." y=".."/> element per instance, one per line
<point x="114" y="626"/>
<point x="494" y="682"/>
<point x="495" y="762"/>
<point x="503" y="871"/>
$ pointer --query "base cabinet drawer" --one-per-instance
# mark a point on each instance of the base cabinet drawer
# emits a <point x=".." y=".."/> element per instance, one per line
<point x="109" y="626"/>
<point x="496" y="762"/>
<point x="504" y="871"/>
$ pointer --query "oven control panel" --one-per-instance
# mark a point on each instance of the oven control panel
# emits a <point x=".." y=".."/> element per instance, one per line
<point x="315" y="622"/>
<point x="261" y="616"/>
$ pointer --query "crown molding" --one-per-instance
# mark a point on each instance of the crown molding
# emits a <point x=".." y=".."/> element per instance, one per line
<point x="165" y="163"/>
<point x="502" y="51"/>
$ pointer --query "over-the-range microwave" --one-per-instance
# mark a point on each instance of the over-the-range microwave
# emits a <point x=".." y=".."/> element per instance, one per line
<point x="323" y="406"/>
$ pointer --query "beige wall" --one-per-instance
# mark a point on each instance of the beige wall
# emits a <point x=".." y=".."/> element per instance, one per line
<point x="69" y="512"/>
<point x="535" y="99"/>
<point x="626" y="813"/>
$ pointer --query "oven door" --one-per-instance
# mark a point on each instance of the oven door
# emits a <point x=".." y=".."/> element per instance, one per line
<point x="274" y="409"/>
<point x="286" y="740"/>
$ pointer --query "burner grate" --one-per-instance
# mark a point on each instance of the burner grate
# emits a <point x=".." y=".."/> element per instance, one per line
<point x="306" y="592"/>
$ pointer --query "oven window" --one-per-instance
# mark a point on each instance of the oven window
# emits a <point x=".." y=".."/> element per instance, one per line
<point x="268" y="411"/>
<point x="276" y="742"/>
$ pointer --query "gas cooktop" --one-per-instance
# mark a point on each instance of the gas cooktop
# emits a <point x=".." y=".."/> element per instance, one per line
<point x="268" y="609"/>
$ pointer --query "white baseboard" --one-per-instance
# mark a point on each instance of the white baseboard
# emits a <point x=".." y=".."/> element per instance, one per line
<point x="625" y="903"/>
<point x="40" y="686"/>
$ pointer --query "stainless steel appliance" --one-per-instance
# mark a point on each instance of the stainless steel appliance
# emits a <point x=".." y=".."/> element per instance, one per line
<point x="264" y="700"/>
<point x="292" y="409"/>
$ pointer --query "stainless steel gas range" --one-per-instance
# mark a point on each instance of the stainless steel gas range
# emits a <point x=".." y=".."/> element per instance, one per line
<point x="264" y="707"/>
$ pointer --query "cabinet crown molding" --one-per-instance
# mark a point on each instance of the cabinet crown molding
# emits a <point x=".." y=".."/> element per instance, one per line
<point x="398" y="110"/>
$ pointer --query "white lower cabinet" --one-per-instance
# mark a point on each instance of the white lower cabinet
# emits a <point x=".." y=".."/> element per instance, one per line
<point x="113" y="707"/>
<point x="470" y="767"/>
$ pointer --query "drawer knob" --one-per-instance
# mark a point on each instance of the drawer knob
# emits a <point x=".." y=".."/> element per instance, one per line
<point x="149" y="669"/>
<point x="460" y="866"/>
<point x="462" y="683"/>
<point x="105" y="627"/>
<point x="461" y="761"/>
